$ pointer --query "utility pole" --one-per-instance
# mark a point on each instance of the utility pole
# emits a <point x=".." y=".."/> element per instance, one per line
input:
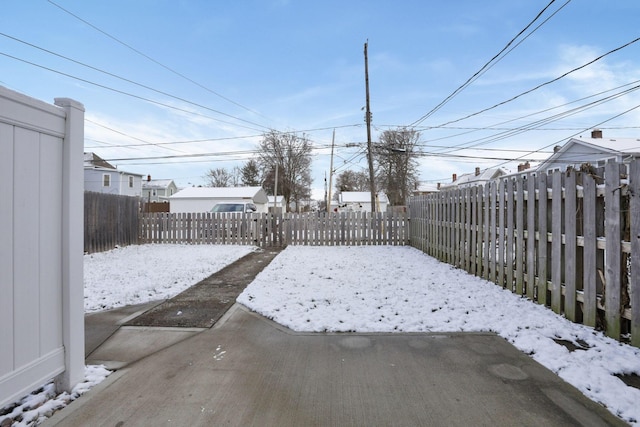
<point x="275" y="190"/>
<point x="368" y="120"/>
<point x="333" y="141"/>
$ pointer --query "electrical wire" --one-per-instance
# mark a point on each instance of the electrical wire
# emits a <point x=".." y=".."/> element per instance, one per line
<point x="496" y="58"/>
<point x="154" y="60"/>
<point x="540" y="85"/>
<point x="178" y="98"/>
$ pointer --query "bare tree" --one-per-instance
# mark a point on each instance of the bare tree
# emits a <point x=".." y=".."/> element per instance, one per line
<point x="396" y="164"/>
<point x="291" y="154"/>
<point x="351" y="181"/>
<point x="219" y="177"/>
<point x="236" y="176"/>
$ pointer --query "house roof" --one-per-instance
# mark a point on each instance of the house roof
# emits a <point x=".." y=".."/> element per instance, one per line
<point x="157" y="183"/>
<point x="361" y="197"/>
<point x="427" y="188"/>
<point x="279" y="199"/>
<point x="93" y="160"/>
<point x="607" y="146"/>
<point x="619" y="145"/>
<point x="485" y="175"/>
<point x="254" y="193"/>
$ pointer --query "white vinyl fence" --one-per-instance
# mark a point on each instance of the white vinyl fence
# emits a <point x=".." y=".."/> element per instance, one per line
<point x="41" y="290"/>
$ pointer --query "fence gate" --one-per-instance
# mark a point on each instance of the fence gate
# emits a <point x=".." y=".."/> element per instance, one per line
<point x="41" y="295"/>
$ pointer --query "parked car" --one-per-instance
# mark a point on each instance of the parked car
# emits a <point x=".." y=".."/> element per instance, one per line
<point x="234" y="211"/>
<point x="235" y="207"/>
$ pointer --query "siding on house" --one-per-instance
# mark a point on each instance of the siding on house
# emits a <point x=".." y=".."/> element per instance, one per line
<point x="158" y="190"/>
<point x="595" y="150"/>
<point x="101" y="176"/>
<point x="202" y="199"/>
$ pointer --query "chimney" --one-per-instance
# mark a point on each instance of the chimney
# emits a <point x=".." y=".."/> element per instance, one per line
<point x="438" y="186"/>
<point x="520" y="167"/>
<point x="454" y="177"/>
<point x="477" y="171"/>
<point x="596" y="134"/>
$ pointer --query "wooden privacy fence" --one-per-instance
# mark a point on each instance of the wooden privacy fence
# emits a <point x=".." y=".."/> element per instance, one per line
<point x="110" y="220"/>
<point x="569" y="240"/>
<point x="267" y="229"/>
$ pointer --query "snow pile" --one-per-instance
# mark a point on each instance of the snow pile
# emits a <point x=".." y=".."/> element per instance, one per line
<point x="399" y="289"/>
<point x="33" y="409"/>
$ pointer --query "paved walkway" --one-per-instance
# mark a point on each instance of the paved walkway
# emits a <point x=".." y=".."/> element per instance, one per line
<point x="248" y="371"/>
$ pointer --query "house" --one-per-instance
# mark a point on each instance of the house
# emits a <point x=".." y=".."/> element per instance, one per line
<point x="595" y="150"/>
<point x="424" y="189"/>
<point x="102" y="177"/>
<point x="203" y="199"/>
<point x="360" y="201"/>
<point x="479" y="177"/>
<point x="277" y="204"/>
<point x="158" y="190"/>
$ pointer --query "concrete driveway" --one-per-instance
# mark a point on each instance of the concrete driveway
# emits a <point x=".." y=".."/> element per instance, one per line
<point x="249" y="371"/>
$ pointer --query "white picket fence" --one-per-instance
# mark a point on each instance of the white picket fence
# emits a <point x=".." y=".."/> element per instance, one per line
<point x="41" y="287"/>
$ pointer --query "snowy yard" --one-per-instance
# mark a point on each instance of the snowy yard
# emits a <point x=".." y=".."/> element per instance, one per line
<point x="375" y="289"/>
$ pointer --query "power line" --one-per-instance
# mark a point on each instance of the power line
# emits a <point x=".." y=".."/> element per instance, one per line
<point x="142" y="98"/>
<point x="488" y="64"/>
<point x="154" y="60"/>
<point x="540" y="85"/>
<point x="132" y="81"/>
<point x="577" y="133"/>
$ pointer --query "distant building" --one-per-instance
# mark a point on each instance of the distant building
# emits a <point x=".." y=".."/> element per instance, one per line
<point x="158" y="190"/>
<point x="360" y="201"/>
<point x="102" y="177"/>
<point x="203" y="199"/>
<point x="426" y="188"/>
<point x="479" y="177"/>
<point x="277" y="204"/>
<point x="595" y="150"/>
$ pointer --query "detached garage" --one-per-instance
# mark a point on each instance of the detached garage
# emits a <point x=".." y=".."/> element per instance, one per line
<point x="202" y="199"/>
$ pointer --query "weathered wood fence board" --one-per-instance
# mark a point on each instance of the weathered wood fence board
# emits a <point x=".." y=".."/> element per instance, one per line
<point x="110" y="220"/>
<point x="567" y="240"/>
<point x="318" y="229"/>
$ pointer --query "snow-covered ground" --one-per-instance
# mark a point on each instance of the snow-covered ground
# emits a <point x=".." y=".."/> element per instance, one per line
<point x="126" y="276"/>
<point x="377" y="289"/>
<point x="137" y="274"/>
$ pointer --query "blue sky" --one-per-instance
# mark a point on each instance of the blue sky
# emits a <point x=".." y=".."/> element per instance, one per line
<point x="222" y="73"/>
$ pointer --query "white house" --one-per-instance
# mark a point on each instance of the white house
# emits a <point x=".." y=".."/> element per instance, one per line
<point x="479" y="177"/>
<point x="425" y="188"/>
<point x="202" y="199"/>
<point x="595" y="150"/>
<point x="278" y="203"/>
<point x="102" y="177"/>
<point x="360" y="201"/>
<point x="158" y="190"/>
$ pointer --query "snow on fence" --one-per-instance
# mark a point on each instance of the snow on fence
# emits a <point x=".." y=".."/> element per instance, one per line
<point x="568" y="240"/>
<point x="267" y="229"/>
<point x="41" y="289"/>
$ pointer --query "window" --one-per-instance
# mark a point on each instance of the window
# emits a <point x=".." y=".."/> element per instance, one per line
<point x="130" y="182"/>
<point x="106" y="180"/>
